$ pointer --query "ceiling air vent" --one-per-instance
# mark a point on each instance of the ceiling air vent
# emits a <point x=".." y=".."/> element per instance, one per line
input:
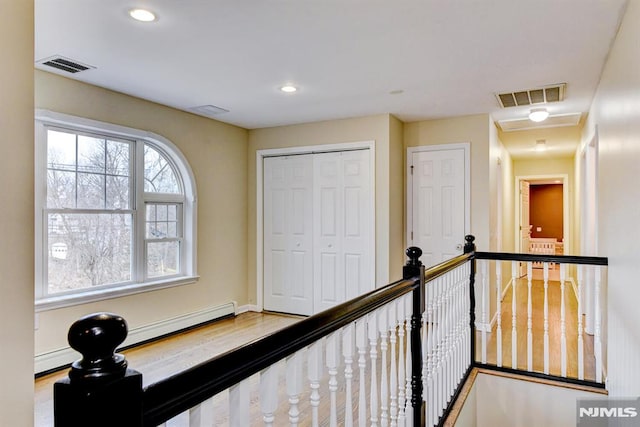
<point x="208" y="110"/>
<point x="543" y="95"/>
<point x="65" y="64"/>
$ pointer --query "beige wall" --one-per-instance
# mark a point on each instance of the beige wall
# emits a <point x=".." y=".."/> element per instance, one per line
<point x="616" y="113"/>
<point x="16" y="214"/>
<point x="217" y="154"/>
<point x="475" y="130"/>
<point x="397" y="203"/>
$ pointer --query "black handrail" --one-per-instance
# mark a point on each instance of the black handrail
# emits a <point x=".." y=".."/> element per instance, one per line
<point x="559" y="259"/>
<point x="177" y="393"/>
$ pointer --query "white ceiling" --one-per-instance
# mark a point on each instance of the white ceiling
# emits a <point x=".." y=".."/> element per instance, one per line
<point x="448" y="58"/>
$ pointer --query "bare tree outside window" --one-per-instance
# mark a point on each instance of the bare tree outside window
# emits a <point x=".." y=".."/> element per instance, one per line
<point x="88" y="194"/>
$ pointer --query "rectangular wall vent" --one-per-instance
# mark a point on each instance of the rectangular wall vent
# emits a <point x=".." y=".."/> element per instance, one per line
<point x="543" y="95"/>
<point x="65" y="64"/>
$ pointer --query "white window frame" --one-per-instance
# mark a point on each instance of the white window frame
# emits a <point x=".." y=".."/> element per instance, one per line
<point x="187" y="199"/>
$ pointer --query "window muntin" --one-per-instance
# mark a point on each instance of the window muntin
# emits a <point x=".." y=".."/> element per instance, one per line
<point x="95" y="184"/>
<point x="159" y="175"/>
<point x="163" y="239"/>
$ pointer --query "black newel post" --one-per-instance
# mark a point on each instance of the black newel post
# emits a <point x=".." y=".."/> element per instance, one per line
<point x="470" y="248"/>
<point x="100" y="391"/>
<point x="412" y="269"/>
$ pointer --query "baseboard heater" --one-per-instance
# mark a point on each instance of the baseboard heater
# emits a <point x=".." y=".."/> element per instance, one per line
<point x="56" y="359"/>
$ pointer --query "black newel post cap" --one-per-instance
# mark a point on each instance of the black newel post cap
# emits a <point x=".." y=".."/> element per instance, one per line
<point x="412" y="267"/>
<point x="414" y="253"/>
<point x="469" y="246"/>
<point x="96" y="336"/>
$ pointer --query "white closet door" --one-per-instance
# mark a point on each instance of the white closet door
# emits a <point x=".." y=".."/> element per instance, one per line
<point x="438" y="204"/>
<point x="342" y="238"/>
<point x="288" y="240"/>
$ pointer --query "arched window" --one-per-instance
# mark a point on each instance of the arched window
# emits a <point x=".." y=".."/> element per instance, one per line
<point x="115" y="211"/>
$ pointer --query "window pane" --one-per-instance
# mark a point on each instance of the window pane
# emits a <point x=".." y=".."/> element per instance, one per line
<point x="91" y="154"/>
<point x="117" y="192"/>
<point x="159" y="224"/>
<point x="172" y="212"/>
<point x="91" y="191"/>
<point x="61" y="150"/>
<point x="163" y="258"/>
<point x="61" y="189"/>
<point x="159" y="176"/>
<point x="87" y="250"/>
<point x="118" y="154"/>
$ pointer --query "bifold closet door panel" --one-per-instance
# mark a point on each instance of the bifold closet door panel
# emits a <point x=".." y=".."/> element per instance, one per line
<point x="288" y="234"/>
<point x="342" y="242"/>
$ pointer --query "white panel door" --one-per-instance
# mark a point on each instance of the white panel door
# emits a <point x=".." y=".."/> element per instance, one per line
<point x="438" y="203"/>
<point x="288" y="234"/>
<point x="342" y="248"/>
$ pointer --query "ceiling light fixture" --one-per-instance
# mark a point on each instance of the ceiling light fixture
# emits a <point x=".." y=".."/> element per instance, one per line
<point x="538" y="114"/>
<point x="288" y="88"/>
<point x="142" y="15"/>
<point x="541" y="145"/>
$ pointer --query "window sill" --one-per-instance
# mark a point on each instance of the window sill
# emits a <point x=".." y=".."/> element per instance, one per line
<point x="51" y="303"/>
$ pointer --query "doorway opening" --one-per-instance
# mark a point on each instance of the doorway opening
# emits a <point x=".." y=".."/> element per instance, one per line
<point x="542" y="209"/>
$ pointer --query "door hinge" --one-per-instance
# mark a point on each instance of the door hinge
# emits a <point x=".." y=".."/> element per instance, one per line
<point x="412" y="236"/>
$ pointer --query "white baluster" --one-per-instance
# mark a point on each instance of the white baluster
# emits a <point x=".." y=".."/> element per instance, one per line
<point x="402" y="398"/>
<point x="314" y="369"/>
<point x="580" y="326"/>
<point x="408" y="357"/>
<point x="529" y="318"/>
<point x="269" y="394"/>
<point x="383" y="328"/>
<point x="332" y="352"/>
<point x="563" y="326"/>
<point x="514" y="332"/>
<point x="597" y="340"/>
<point x="239" y="404"/>
<point x="546" y="317"/>
<point x="294" y="386"/>
<point x="361" y="345"/>
<point x="393" y="369"/>
<point x="484" y="299"/>
<point x="202" y="414"/>
<point x="499" y="312"/>
<point x="373" y="355"/>
<point x="348" y="337"/>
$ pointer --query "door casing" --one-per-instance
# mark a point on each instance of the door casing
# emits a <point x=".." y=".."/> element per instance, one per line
<point x="309" y="149"/>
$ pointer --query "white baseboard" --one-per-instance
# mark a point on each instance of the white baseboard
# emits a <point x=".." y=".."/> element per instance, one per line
<point x="64" y="356"/>
<point x="247" y="307"/>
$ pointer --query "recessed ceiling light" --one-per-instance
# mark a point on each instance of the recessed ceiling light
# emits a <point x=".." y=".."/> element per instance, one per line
<point x="288" y="88"/>
<point x="538" y="114"/>
<point x="142" y="15"/>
